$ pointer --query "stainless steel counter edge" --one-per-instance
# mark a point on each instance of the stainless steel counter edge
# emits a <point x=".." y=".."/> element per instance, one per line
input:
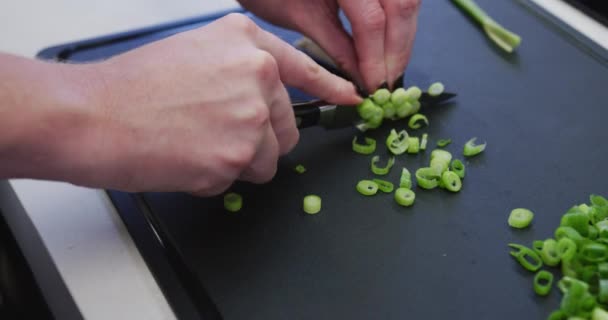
<point x="77" y="232"/>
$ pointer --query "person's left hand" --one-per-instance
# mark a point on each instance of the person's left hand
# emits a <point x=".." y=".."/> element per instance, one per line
<point x="383" y="32"/>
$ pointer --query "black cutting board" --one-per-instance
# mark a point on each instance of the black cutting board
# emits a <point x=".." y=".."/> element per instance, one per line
<point x="542" y="111"/>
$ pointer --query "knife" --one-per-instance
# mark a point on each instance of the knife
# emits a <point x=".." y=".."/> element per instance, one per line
<point x="331" y="116"/>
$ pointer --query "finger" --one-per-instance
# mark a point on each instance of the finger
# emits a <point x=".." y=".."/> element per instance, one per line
<point x="401" y="19"/>
<point x="264" y="165"/>
<point x="283" y="121"/>
<point x="368" y="21"/>
<point x="327" y="32"/>
<point x="298" y="70"/>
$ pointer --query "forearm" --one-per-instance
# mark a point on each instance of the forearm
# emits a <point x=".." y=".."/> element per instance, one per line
<point x="44" y="111"/>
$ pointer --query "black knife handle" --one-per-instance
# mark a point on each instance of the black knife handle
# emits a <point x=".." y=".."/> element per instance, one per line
<point x="308" y="114"/>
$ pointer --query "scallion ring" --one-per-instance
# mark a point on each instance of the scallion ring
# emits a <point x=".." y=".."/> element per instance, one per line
<point x="472" y="149"/>
<point x="233" y="202"/>
<point x="312" y="204"/>
<point x="384" y="186"/>
<point x="367" y="187"/>
<point x="405" y="197"/>
<point x="368" y="148"/>
<point x="414" y="122"/>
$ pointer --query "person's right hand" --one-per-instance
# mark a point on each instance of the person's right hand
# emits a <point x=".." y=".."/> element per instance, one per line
<point x="197" y="111"/>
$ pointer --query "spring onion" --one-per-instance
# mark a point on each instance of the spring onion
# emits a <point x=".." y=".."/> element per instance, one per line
<point x="413" y="92"/>
<point x="382" y="170"/>
<point x="577" y="221"/>
<point x="594" y="252"/>
<point x="472" y="149"/>
<point x="520" y="218"/>
<point x="384" y="186"/>
<point x="427" y="178"/>
<point x="527" y="257"/>
<point x="413" y="145"/>
<point x="312" y="204"/>
<point x="436" y="89"/>
<point x="549" y="253"/>
<point x="398" y="143"/>
<point x="233" y="202"/>
<point x="566" y="249"/>
<point x="367" y="187"/>
<point x="404" y="109"/>
<point x="399" y="97"/>
<point x="406" y="179"/>
<point x="405" y="197"/>
<point x="414" y="122"/>
<point x="451" y="181"/>
<point x="389" y="110"/>
<point x="458" y="167"/>
<point x="543" y="280"/>
<point x="368" y="148"/>
<point x="381" y="96"/>
<point x="440" y="160"/>
<point x="568" y="232"/>
<point x="300" y="169"/>
<point x="443" y="142"/>
<point x="424" y="141"/>
<point x="367" y="109"/>
<point x="415" y="107"/>
<point x="503" y="38"/>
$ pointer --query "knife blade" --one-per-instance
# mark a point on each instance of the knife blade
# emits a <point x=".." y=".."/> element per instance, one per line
<point x="332" y="116"/>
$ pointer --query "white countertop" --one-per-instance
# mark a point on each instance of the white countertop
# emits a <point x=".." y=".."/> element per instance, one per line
<point x="87" y="241"/>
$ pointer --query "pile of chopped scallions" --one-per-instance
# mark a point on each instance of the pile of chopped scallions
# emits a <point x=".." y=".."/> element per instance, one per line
<point x="580" y="248"/>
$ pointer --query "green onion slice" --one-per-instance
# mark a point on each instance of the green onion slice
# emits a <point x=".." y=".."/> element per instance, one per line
<point x="424" y="141"/>
<point x="367" y="187"/>
<point x="413" y="145"/>
<point x="543" y="280"/>
<point x="458" y="167"/>
<point x="443" y="142"/>
<point x="427" y="178"/>
<point x="381" y="96"/>
<point x="440" y="160"/>
<point x="599" y="314"/>
<point x="520" y="218"/>
<point x="382" y="170"/>
<point x="413" y="92"/>
<point x="233" y="202"/>
<point x="367" y="109"/>
<point x="389" y="110"/>
<point x="312" y="204"/>
<point x="368" y="148"/>
<point x="405" y="197"/>
<point x="415" y="120"/>
<point x="436" y="89"/>
<point x="300" y="169"/>
<point x="529" y="259"/>
<point x="472" y="149"/>
<point x="404" y="109"/>
<point x="549" y="254"/>
<point x="399" y="97"/>
<point x="598" y="200"/>
<point x="577" y="221"/>
<point x="384" y="186"/>
<point x="397" y="143"/>
<point x="566" y="248"/>
<point x="406" y="179"/>
<point x="451" y="181"/>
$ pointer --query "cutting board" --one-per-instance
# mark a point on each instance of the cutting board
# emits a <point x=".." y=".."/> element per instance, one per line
<point x="543" y="112"/>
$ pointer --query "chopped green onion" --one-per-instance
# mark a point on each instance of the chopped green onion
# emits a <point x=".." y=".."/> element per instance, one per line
<point x="413" y="92"/>
<point x="424" y="141"/>
<point x="312" y="204"/>
<point x="368" y="148"/>
<point x="384" y="186"/>
<point x="520" y="218"/>
<point x="566" y="249"/>
<point x="427" y="178"/>
<point x="367" y="109"/>
<point x="399" y="97"/>
<point x="415" y="107"/>
<point x="300" y="169"/>
<point x="405" y="197"/>
<point x="602" y="296"/>
<point x="599" y="314"/>
<point x="398" y="143"/>
<point x="558" y="315"/>
<point x="381" y="96"/>
<point x="443" y="142"/>
<point x="597" y="200"/>
<point x="503" y="38"/>
<point x="568" y="232"/>
<point x="538" y="245"/>
<point x="577" y="221"/>
<point x="406" y="179"/>
<point x="472" y="149"/>
<point x="451" y="181"/>
<point x="549" y="254"/>
<point x="414" y="121"/>
<point x="436" y="89"/>
<point x="389" y="110"/>
<point x="233" y="202"/>
<point x="382" y="170"/>
<point x="543" y="280"/>
<point x="413" y="145"/>
<point x="440" y="160"/>
<point x="367" y="187"/>
<point x="458" y="167"/>
<point x="594" y="252"/>
<point x="526" y="257"/>
<point x="404" y="109"/>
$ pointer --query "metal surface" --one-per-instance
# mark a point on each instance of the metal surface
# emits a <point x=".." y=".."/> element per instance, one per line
<point x="445" y="258"/>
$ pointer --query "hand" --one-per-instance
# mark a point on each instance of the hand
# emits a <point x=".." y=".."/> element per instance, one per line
<point x="383" y="32"/>
<point x="199" y="110"/>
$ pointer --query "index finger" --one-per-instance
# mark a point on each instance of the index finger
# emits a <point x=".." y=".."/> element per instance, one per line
<point x="298" y="70"/>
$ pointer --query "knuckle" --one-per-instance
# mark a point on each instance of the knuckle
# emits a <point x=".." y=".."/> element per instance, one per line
<point x="265" y="67"/>
<point x="404" y="8"/>
<point x="240" y="157"/>
<point x="259" y="115"/>
<point x="242" y="24"/>
<point x="374" y="19"/>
